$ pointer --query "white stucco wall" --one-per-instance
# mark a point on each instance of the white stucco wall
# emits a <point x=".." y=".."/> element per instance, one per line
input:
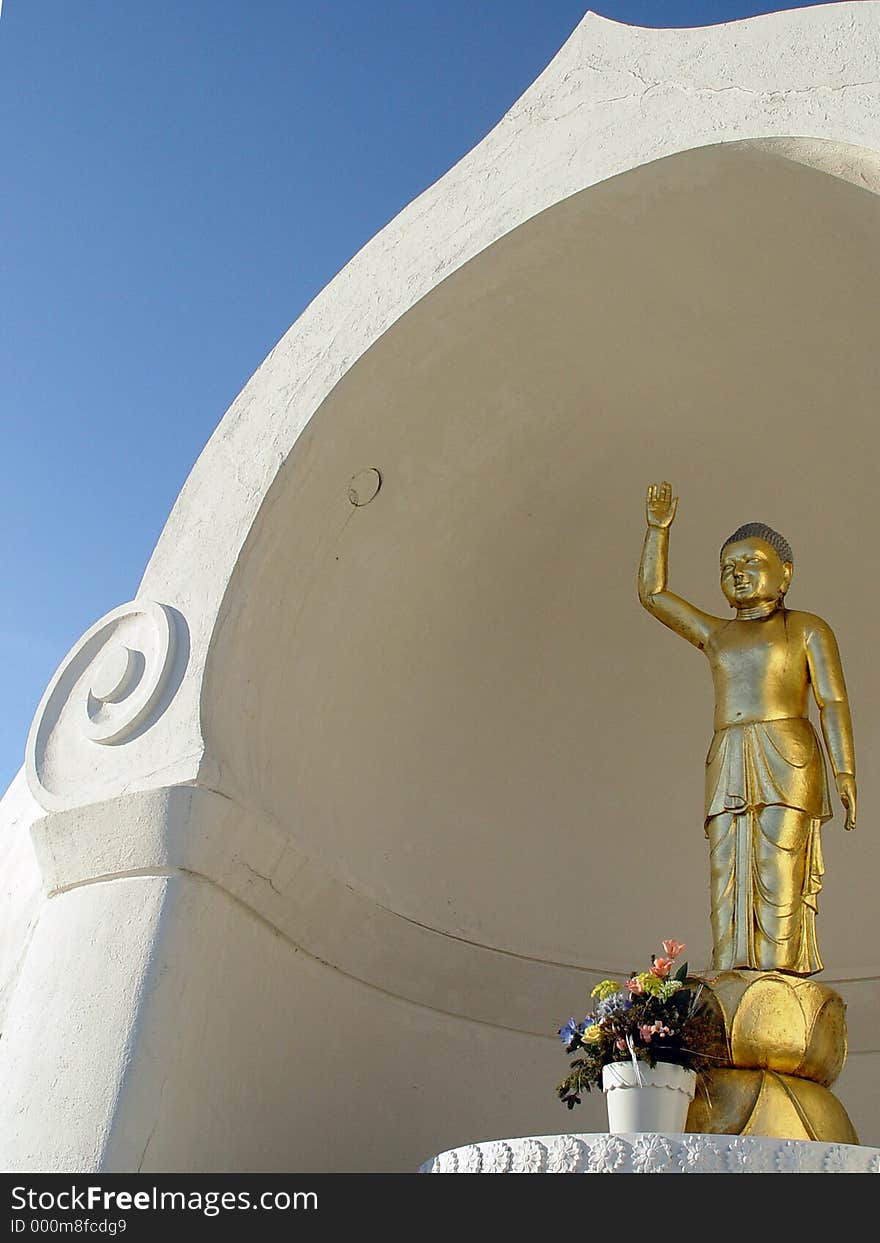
<point x="22" y="892"/>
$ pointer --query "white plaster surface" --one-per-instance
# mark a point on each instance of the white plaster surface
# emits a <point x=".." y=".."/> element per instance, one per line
<point x="72" y="1024"/>
<point x="21" y="890"/>
<point x="385" y="778"/>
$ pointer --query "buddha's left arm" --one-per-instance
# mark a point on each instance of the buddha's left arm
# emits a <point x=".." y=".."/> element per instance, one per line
<point x="829" y="688"/>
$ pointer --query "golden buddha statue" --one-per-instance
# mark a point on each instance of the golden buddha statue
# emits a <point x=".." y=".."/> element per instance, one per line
<point x="766" y="785"/>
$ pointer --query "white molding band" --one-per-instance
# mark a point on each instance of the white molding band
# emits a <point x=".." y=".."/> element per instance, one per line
<point x="650" y="1153"/>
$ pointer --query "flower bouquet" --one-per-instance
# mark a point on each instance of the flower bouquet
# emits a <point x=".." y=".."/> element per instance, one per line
<point x="654" y="1016"/>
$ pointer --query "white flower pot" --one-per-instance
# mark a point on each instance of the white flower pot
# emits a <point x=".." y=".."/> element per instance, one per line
<point x="658" y="1103"/>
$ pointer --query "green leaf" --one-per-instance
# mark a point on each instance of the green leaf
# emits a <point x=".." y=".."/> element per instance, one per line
<point x="681" y="973"/>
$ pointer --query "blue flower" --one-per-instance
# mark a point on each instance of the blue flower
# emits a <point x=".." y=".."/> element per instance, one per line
<point x="570" y="1033"/>
<point x="612" y="1004"/>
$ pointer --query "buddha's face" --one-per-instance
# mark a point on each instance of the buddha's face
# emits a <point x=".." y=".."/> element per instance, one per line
<point x="753" y="573"/>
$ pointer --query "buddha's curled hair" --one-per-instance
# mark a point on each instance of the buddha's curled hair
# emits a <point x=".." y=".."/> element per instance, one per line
<point x="771" y="537"/>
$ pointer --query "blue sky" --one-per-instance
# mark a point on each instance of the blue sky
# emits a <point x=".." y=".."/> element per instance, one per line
<point x="180" y="180"/>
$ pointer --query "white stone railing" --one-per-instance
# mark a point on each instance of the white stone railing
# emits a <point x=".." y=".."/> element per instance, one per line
<point x="650" y="1153"/>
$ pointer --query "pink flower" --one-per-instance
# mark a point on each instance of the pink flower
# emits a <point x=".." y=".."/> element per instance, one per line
<point x="673" y="948"/>
<point x="647" y="1032"/>
<point x="635" y="986"/>
<point x="661" y="967"/>
<point x="620" y="1042"/>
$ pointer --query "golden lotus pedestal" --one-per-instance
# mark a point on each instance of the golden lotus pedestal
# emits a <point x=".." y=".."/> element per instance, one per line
<point x="780" y="1044"/>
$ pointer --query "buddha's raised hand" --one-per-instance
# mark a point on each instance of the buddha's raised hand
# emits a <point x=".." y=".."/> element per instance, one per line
<point x="661" y="505"/>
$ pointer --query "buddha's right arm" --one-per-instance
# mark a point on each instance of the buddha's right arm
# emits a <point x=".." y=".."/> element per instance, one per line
<point x="678" y="614"/>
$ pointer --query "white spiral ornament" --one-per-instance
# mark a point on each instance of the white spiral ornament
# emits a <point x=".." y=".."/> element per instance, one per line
<point x="112" y="686"/>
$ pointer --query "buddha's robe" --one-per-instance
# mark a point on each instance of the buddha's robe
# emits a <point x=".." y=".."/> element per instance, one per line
<point x="766" y="866"/>
<point x="766" y="794"/>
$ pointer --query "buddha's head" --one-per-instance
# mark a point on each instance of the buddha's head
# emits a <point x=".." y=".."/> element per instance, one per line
<point x="756" y="566"/>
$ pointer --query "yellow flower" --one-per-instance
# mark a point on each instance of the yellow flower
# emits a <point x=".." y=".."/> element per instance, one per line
<point x="669" y="988"/>
<point x="593" y="1033"/>
<point x="605" y="989"/>
<point x="651" y="983"/>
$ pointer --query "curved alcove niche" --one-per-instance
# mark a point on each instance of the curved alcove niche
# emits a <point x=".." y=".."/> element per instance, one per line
<point x="449" y="698"/>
